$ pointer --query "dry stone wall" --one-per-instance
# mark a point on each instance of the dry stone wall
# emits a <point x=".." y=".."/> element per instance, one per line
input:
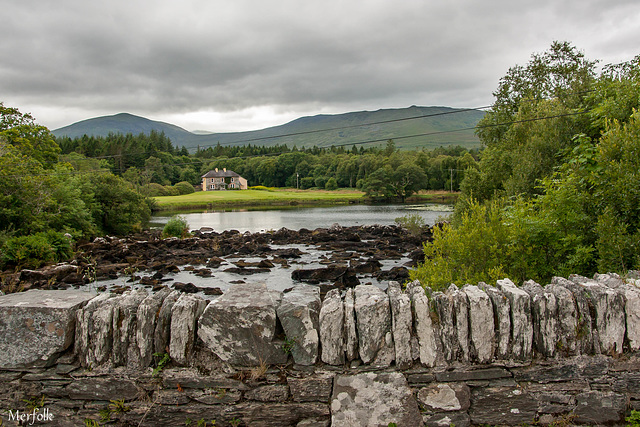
<point x="481" y="354"/>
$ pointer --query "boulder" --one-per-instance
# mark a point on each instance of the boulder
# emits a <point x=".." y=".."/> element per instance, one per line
<point x="401" y="324"/>
<point x="299" y="313"/>
<point x="373" y="315"/>
<point x="481" y="324"/>
<point x="521" y="323"/>
<point x="371" y="399"/>
<point x="332" y="328"/>
<point x="425" y="330"/>
<point x="36" y="326"/>
<point x="184" y="318"/>
<point x="240" y="326"/>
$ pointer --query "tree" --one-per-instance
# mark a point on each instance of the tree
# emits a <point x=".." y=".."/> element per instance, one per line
<point x="407" y="179"/>
<point x="31" y="139"/>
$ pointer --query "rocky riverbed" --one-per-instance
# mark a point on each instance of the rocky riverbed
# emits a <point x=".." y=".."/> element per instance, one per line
<point x="209" y="262"/>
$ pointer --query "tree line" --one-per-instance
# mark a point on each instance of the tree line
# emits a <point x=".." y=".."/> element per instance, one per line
<point x="154" y="166"/>
<point x="557" y="190"/>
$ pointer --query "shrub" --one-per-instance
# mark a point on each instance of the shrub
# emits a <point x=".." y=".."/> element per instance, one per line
<point x="36" y="250"/>
<point x="413" y="223"/>
<point x="184" y="187"/>
<point x="331" y="184"/>
<point x="28" y="251"/>
<point x="176" y="227"/>
<point x="473" y="251"/>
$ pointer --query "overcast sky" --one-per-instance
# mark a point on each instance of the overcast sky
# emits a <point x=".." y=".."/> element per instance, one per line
<point x="249" y="64"/>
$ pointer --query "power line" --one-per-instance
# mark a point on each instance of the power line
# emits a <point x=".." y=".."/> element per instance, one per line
<point x="335" y="145"/>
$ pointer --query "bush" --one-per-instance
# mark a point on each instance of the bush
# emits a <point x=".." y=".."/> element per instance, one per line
<point x="473" y="251"/>
<point x="184" y="187"/>
<point x="36" y="250"/>
<point x="331" y="184"/>
<point x="413" y="223"/>
<point x="176" y="227"/>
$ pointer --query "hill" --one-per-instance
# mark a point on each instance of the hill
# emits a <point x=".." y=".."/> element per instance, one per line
<point x="411" y="127"/>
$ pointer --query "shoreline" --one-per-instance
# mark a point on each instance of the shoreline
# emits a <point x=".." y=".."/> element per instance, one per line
<point x="282" y="198"/>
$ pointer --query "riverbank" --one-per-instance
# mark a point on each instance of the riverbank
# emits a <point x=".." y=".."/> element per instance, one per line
<point x="282" y="197"/>
<point x="254" y="197"/>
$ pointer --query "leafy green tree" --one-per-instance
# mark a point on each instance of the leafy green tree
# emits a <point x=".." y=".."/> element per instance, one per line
<point x="31" y="139"/>
<point x="406" y="180"/>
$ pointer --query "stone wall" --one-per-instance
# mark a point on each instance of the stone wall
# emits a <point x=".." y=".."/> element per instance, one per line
<point x="565" y="353"/>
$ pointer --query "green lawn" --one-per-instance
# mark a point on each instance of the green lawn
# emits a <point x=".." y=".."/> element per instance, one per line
<point x="206" y="199"/>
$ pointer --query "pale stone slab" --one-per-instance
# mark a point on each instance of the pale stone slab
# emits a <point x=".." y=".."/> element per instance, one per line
<point x="481" y="324"/>
<point x="372" y="399"/>
<point x="240" y="326"/>
<point x="373" y="316"/>
<point x="299" y="313"/>
<point x="332" y="328"/>
<point x="35" y="326"/>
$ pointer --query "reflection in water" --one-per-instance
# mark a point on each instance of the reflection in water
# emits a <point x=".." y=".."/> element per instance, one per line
<point x="311" y="218"/>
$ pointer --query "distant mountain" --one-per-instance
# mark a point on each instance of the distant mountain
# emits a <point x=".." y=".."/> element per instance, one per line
<point x="411" y="127"/>
<point x="123" y="123"/>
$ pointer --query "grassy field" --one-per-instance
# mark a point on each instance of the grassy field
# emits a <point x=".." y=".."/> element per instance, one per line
<point x="270" y="197"/>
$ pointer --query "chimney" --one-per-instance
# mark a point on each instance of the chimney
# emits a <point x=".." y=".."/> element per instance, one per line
<point x="224" y="169"/>
<point x="216" y="169"/>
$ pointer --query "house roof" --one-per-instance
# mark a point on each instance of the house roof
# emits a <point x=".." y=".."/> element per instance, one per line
<point x="220" y="174"/>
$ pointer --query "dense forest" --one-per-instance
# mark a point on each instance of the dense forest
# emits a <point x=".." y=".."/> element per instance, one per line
<point x="557" y="190"/>
<point x="154" y="165"/>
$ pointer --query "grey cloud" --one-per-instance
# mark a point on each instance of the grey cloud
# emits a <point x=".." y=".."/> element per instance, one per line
<point x="170" y="57"/>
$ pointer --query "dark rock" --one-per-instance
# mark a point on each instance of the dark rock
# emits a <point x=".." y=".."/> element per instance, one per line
<point x="597" y="408"/>
<point x="502" y="406"/>
<point x="268" y="393"/>
<point x="102" y="389"/>
<point x="398" y="274"/>
<point x="212" y="291"/>
<point x="189" y="288"/>
<point x="469" y="375"/>
<point x="312" y="389"/>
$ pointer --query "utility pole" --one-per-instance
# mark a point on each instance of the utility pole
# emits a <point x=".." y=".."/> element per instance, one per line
<point x="451" y="179"/>
<point x="297" y="175"/>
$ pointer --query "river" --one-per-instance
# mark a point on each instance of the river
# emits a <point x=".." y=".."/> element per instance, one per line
<point x="295" y="218"/>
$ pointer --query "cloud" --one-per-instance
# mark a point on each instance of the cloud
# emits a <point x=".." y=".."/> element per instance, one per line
<point x="70" y="60"/>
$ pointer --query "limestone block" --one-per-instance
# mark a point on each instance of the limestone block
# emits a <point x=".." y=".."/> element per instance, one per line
<point x="567" y="320"/>
<point x="481" y="324"/>
<point x="631" y="293"/>
<point x="502" y="319"/>
<point x="401" y="324"/>
<point x="350" y="330"/>
<point x="147" y="316"/>
<point x="299" y="313"/>
<point x="371" y="399"/>
<point x="240" y="326"/>
<point x="544" y="312"/>
<point x="86" y="333"/>
<point x="162" y="333"/>
<point x="443" y="303"/>
<point x="125" y="323"/>
<point x="36" y="326"/>
<point x="521" y="323"/>
<point x="373" y="316"/>
<point x="584" y="331"/>
<point x="425" y="330"/>
<point x="609" y="308"/>
<point x="461" y="316"/>
<point x="184" y="318"/>
<point x="332" y="328"/>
